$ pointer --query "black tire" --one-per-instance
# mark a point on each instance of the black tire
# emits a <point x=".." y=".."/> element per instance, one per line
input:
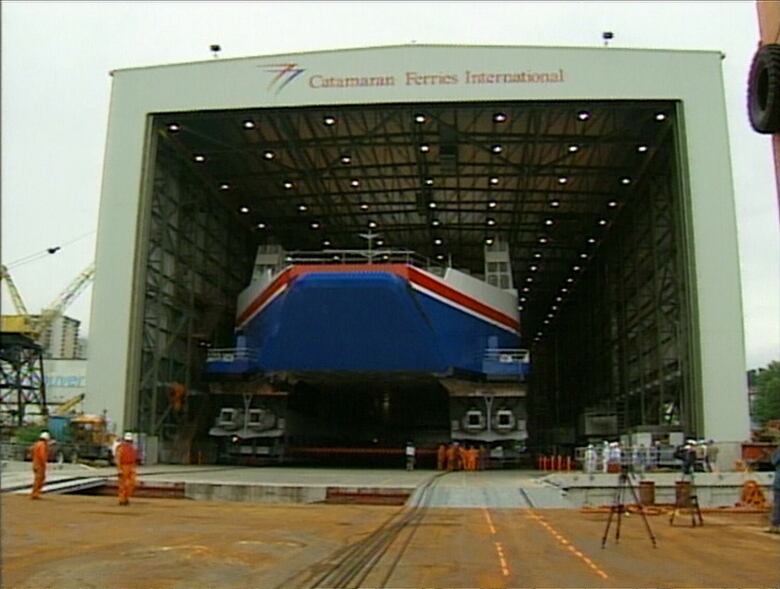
<point x="764" y="90"/>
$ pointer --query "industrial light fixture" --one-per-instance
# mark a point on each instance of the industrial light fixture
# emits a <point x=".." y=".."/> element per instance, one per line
<point x="575" y="268"/>
<point x="288" y="184"/>
<point x="329" y="120"/>
<point x="346" y="159"/>
<point x="555" y="203"/>
<point x="372" y="224"/>
<point x="244" y="210"/>
<point x="574" y="148"/>
<point x="492" y="204"/>
<point x="523" y="299"/>
<point x="526" y="289"/>
<point x="533" y="268"/>
<point x="562" y="180"/>
<point x="570" y="280"/>
<point x="224" y="186"/>
<point x="429" y="181"/>
<point x="493" y="180"/>
<point x="437" y="241"/>
<point x="625" y="180"/>
<point x="354" y="182"/>
<point x="591" y="240"/>
<point x="268" y="154"/>
<point x="659" y="116"/>
<point x="419" y="118"/>
<point x="537" y="255"/>
<point x="529" y="279"/>
<point x="425" y="148"/>
<point x="380" y="242"/>
<point x="326" y="243"/>
<point x="200" y="158"/>
<point x="641" y="148"/>
<point x="439" y="256"/>
<point x="363" y="206"/>
<point x="584" y="256"/>
<point x="499" y="117"/>
<point x="549" y="222"/>
<point x="491" y="222"/>
<point x="302" y="207"/>
<point x="249" y="124"/>
<point x="612" y="204"/>
<point x="559" y="299"/>
<point x="554" y="307"/>
<point x="519" y="307"/>
<point x="583" y="115"/>
<point x="489" y="241"/>
<point x="435" y="223"/>
<point x="602" y="222"/>
<point x="173" y="127"/>
<point x="546" y="321"/>
<point x="432" y="205"/>
<point x="315" y="225"/>
<point x="261" y="225"/>
<point x="497" y="148"/>
<point x="542" y="239"/>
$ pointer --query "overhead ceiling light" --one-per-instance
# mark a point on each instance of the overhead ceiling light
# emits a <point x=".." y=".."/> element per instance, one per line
<point x="288" y="184"/>
<point x="659" y="116"/>
<point x="224" y="186"/>
<point x="559" y="299"/>
<point x="315" y="225"/>
<point x="336" y="257"/>
<point x="491" y="222"/>
<point x="537" y="255"/>
<point x="641" y="148"/>
<point x="499" y="117"/>
<point x="602" y="221"/>
<point x="612" y="204"/>
<point x="385" y="257"/>
<point x="249" y="124"/>
<point x="562" y="180"/>
<point x="584" y="256"/>
<point x="570" y="280"/>
<point x="529" y="279"/>
<point x="489" y="241"/>
<point x="244" y="210"/>
<point x="372" y="224"/>
<point x="302" y="207"/>
<point x="591" y="240"/>
<point x="354" y="183"/>
<point x="583" y="115"/>
<point x="419" y="118"/>
<point x="437" y="241"/>
<point x="546" y="321"/>
<point x="542" y="239"/>
<point x="439" y="256"/>
<point x="432" y="205"/>
<point x="429" y="181"/>
<point x="564" y="289"/>
<point x="268" y="154"/>
<point x="492" y="204"/>
<point x="200" y="158"/>
<point x="494" y="180"/>
<point x="519" y="307"/>
<point x="425" y="148"/>
<point x="533" y="268"/>
<point x="326" y="243"/>
<point x="173" y="127"/>
<point x="625" y="180"/>
<point x="574" y="148"/>
<point x="380" y="242"/>
<point x="435" y="223"/>
<point x="261" y="225"/>
<point x="555" y="203"/>
<point x="329" y="120"/>
<point x="346" y="159"/>
<point x="523" y="299"/>
<point x="549" y="222"/>
<point x="526" y="289"/>
<point x="554" y="307"/>
<point x="497" y="148"/>
<point x="363" y="206"/>
<point x="575" y="268"/>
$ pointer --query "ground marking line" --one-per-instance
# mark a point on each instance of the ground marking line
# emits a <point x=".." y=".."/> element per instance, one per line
<point x="566" y="544"/>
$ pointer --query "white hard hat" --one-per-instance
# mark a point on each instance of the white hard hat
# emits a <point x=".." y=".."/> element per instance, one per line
<point x="45" y="436"/>
<point x="128" y="437"/>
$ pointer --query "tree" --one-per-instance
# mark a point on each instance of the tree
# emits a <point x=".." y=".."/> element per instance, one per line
<point x="767" y="405"/>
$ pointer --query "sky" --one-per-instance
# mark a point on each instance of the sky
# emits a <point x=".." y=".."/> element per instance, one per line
<point x="56" y="59"/>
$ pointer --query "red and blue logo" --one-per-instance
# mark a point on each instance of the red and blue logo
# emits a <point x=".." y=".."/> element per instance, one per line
<point x="285" y="73"/>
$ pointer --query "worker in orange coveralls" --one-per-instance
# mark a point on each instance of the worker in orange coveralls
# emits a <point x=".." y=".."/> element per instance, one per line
<point x="40" y="456"/>
<point x="176" y="394"/>
<point x="126" y="458"/>
<point x="451" y="456"/>
<point x="441" y="457"/>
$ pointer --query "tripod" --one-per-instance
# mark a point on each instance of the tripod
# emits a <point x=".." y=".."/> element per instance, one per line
<point x="618" y="506"/>
<point x="686" y="498"/>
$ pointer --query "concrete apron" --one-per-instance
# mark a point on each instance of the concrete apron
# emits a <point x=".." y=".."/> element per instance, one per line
<point x="712" y="489"/>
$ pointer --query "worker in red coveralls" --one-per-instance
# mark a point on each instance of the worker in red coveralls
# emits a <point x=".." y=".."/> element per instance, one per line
<point x="451" y="456"/>
<point x="40" y="456"/>
<point x="126" y="458"/>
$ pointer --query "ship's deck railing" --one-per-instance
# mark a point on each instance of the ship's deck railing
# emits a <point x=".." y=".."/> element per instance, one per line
<point x="507" y="355"/>
<point x="372" y="256"/>
<point x="231" y="355"/>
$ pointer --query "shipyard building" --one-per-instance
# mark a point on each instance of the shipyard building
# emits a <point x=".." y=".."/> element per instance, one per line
<point x="520" y="247"/>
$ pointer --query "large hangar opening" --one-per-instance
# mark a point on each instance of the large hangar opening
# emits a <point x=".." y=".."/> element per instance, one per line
<point x="589" y="199"/>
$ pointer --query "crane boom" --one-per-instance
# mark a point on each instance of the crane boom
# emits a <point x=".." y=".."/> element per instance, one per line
<point x="16" y="297"/>
<point x="65" y="298"/>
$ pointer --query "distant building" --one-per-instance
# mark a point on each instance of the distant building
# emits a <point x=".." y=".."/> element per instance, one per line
<point x="61" y="339"/>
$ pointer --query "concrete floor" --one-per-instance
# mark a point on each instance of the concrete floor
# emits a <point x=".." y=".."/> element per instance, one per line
<point x="65" y="541"/>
